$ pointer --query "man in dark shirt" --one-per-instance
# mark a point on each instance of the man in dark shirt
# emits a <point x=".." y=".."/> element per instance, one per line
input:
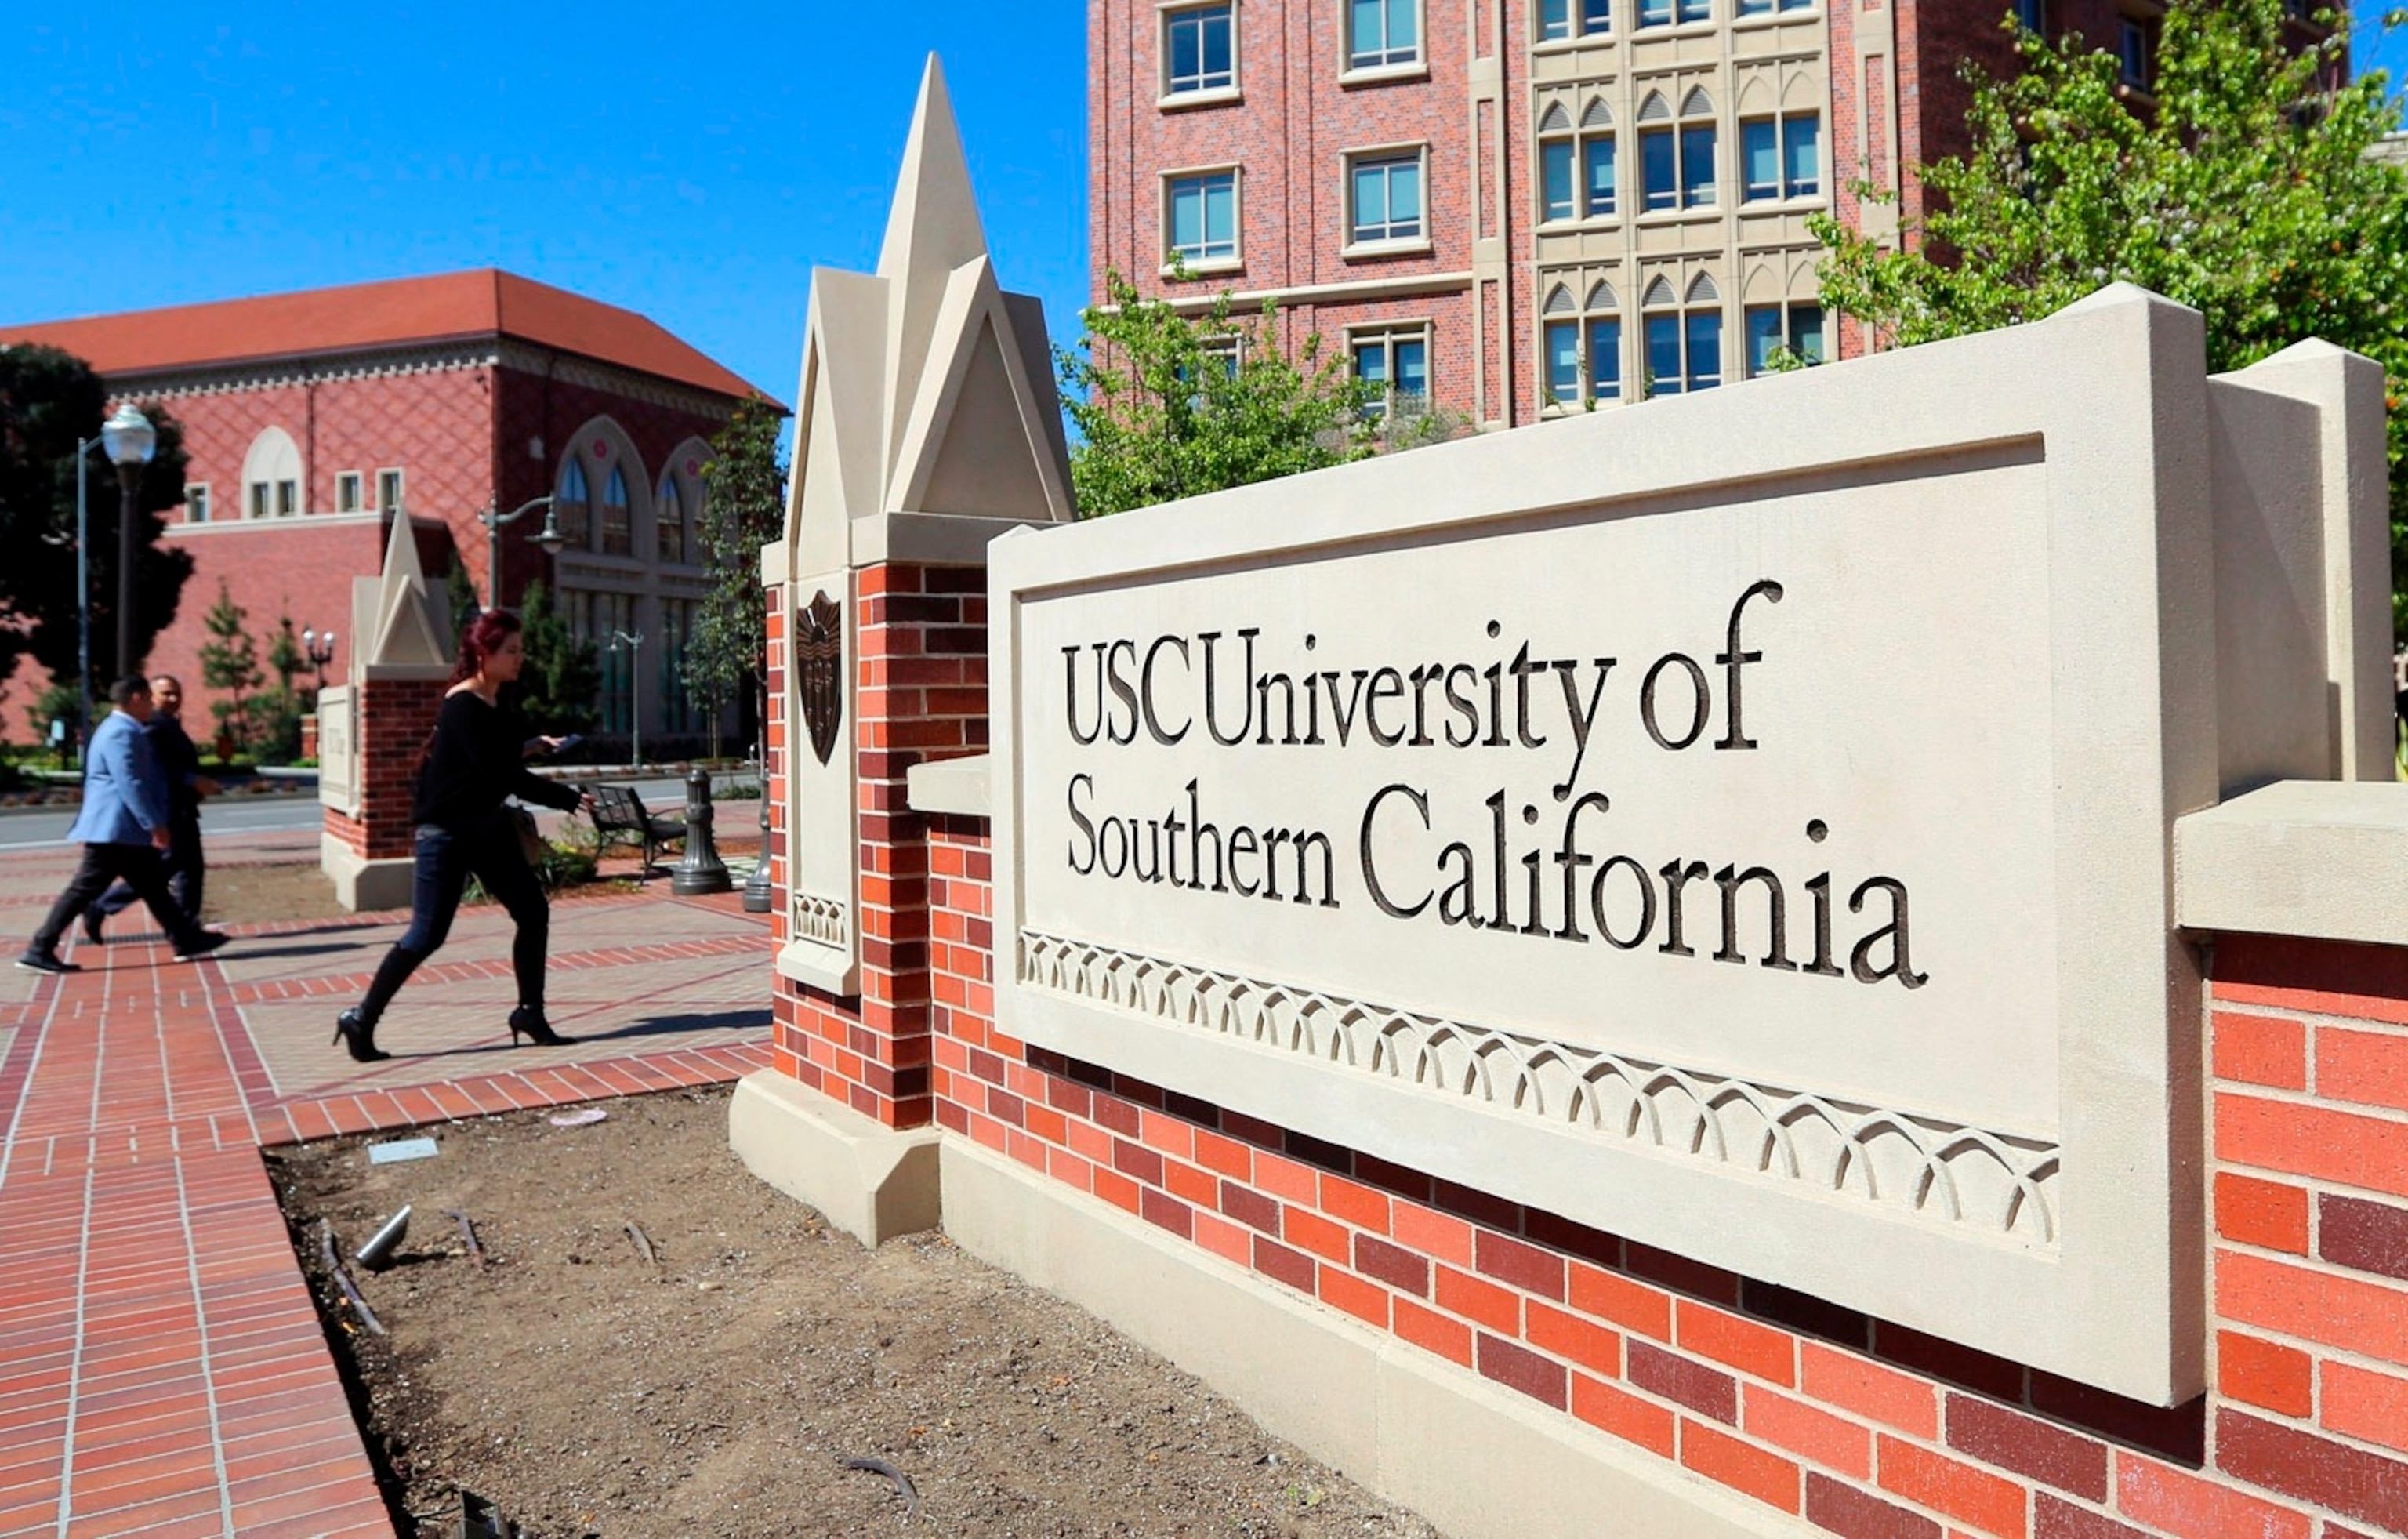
<point x="180" y="762"/>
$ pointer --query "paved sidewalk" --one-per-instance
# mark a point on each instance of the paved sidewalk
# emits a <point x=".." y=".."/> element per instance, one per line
<point x="162" y="1368"/>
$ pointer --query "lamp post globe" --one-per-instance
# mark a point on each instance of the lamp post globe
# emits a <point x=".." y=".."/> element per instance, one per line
<point x="130" y="441"/>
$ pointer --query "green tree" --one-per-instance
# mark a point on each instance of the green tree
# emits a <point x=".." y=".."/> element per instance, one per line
<point x="230" y="662"/>
<point x="2247" y="194"/>
<point x="49" y="401"/>
<point x="561" y="679"/>
<point x="743" y="509"/>
<point x="276" y="712"/>
<point x="460" y="595"/>
<point x="1164" y="407"/>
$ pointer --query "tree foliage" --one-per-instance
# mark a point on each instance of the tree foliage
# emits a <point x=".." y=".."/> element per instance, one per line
<point x="230" y="662"/>
<point x="561" y="678"/>
<point x="49" y="401"/>
<point x="1166" y="407"/>
<point x="743" y="509"/>
<point x="2247" y="194"/>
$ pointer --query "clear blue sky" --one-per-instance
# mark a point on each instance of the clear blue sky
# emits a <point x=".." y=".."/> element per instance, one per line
<point x="690" y="162"/>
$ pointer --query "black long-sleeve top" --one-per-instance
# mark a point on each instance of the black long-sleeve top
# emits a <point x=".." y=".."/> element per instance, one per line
<point x="477" y="758"/>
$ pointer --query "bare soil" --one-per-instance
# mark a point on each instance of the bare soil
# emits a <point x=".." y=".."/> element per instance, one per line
<point x="717" y="1387"/>
<point x="243" y="894"/>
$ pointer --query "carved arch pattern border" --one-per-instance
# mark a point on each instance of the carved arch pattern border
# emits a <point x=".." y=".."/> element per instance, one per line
<point x="1923" y="1168"/>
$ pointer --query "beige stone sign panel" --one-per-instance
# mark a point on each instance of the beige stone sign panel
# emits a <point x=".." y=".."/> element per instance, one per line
<point x="1738" y="823"/>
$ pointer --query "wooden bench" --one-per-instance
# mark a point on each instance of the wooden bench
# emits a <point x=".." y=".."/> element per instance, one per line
<point x="620" y="818"/>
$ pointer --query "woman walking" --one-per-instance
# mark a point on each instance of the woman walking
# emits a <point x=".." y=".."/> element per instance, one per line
<point x="474" y="760"/>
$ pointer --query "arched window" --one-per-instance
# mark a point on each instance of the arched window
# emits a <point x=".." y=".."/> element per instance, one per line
<point x="1582" y="345"/>
<point x="1684" y="338"/>
<point x="1676" y="159"/>
<point x="618" y="534"/>
<point x="271" y="476"/>
<point x="1576" y="170"/>
<point x="668" y="522"/>
<point x="574" y="504"/>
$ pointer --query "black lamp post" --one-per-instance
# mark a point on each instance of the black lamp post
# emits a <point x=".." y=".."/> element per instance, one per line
<point x="130" y="439"/>
<point x="319" y="647"/>
<point x="495" y="520"/>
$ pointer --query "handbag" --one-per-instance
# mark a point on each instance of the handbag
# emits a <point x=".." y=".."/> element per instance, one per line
<point x="532" y="843"/>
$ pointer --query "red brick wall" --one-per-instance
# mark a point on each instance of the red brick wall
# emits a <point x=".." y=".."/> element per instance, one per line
<point x="394" y="718"/>
<point x="920" y="675"/>
<point x="1860" y="1426"/>
<point x="1291" y="134"/>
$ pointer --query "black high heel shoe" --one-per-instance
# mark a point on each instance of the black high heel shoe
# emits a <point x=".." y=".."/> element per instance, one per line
<point x="528" y="1021"/>
<point x="358" y="1037"/>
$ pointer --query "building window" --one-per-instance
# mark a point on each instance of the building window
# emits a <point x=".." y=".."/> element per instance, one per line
<point x="1199" y="50"/>
<point x="2032" y="15"/>
<point x="288" y="498"/>
<point x="1576" y="167"/>
<point x="389" y="490"/>
<point x="257" y="492"/>
<point x="1202" y="216"/>
<point x="1559" y="18"/>
<point x="1382" y="34"/>
<point x="1383" y="198"/>
<point x="1766" y="8"/>
<point x="668" y="522"/>
<point x="1781" y="157"/>
<point x="1581" y="346"/>
<point x="573" y="502"/>
<point x="197" y="502"/>
<point x="1396" y="360"/>
<point x="1663" y="13"/>
<point x="1684" y="338"/>
<point x="1676" y="159"/>
<point x="2137" y="54"/>
<point x="350" y="486"/>
<point x="1773" y="328"/>
<point x="616" y="527"/>
<point x="607" y="616"/>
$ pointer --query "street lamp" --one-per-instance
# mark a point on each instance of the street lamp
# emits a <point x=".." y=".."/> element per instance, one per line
<point x="550" y="538"/>
<point x="130" y="439"/>
<point x="635" y="692"/>
<point x="319" y="647"/>
<point x="83" y="595"/>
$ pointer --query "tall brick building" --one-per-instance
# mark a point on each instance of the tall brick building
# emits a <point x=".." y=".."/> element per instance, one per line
<point x="312" y="418"/>
<point x="1511" y="209"/>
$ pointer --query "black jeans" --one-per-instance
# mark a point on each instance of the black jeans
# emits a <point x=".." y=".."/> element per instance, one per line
<point x="138" y="867"/>
<point x="446" y="860"/>
<point x="181" y="867"/>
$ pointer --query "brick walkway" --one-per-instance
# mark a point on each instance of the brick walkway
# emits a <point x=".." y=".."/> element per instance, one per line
<point x="162" y="1368"/>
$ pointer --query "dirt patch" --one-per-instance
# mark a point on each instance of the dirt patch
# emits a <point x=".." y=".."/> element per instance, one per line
<point x="716" y="1389"/>
<point x="254" y="894"/>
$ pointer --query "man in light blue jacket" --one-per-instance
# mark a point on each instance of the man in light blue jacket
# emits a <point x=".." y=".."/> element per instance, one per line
<point x="123" y="826"/>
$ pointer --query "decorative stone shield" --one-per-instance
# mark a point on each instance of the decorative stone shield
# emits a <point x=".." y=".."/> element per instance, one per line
<point x="819" y="670"/>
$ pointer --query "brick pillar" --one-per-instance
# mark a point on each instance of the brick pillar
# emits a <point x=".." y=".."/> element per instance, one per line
<point x="919" y="694"/>
<point x="395" y="717"/>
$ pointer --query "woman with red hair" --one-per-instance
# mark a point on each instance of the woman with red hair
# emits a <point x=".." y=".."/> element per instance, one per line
<point x="473" y="761"/>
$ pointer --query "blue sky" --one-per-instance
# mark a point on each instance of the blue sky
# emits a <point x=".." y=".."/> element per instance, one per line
<point x="693" y="163"/>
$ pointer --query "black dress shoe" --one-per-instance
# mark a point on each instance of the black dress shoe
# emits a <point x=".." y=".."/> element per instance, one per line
<point x="92" y="927"/>
<point x="43" y="961"/>
<point x="358" y="1038"/>
<point x="537" y="1029"/>
<point x="201" y="945"/>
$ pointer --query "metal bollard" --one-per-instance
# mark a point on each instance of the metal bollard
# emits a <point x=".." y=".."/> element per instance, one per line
<point x="699" y="870"/>
<point x="756" y="887"/>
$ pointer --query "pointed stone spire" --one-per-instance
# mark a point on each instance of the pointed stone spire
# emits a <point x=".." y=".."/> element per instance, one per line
<point x="404" y="629"/>
<point x="932" y="229"/>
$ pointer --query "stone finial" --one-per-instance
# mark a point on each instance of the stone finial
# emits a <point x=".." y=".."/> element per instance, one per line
<point x="927" y="420"/>
<point x="398" y="619"/>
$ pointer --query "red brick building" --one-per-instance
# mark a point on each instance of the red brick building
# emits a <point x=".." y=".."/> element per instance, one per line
<point x="311" y="419"/>
<point x="1507" y="209"/>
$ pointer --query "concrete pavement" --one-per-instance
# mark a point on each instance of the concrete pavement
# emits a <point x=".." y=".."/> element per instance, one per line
<point x="161" y="1367"/>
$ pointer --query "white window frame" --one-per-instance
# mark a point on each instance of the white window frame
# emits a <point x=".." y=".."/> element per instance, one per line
<point x="390" y="490"/>
<point x="1758" y="12"/>
<point x="1678" y="126"/>
<point x="1576" y="26"/>
<point x="1580" y="138"/>
<point x="1412" y="245"/>
<point x="1198" y="265"/>
<point x="1171" y="99"/>
<point x="350" y="491"/>
<point x="1585" y="397"/>
<point x="1389" y="332"/>
<point x="288" y="498"/>
<point x="256" y="498"/>
<point x="1786" y="194"/>
<point x="1415" y="68"/>
<point x="197" y="502"/>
